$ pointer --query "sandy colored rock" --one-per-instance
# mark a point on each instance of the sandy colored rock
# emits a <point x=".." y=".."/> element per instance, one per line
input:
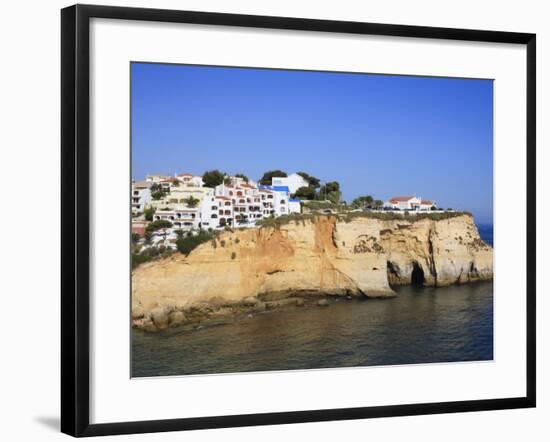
<point x="360" y="256"/>
<point x="159" y="316"/>
<point x="176" y="318"/>
<point x="137" y="312"/>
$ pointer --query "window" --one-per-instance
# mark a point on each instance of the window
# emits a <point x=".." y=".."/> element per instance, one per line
<point x="214" y="207"/>
<point x="213" y="215"/>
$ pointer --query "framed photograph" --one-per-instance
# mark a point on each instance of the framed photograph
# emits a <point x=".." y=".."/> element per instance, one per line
<point x="273" y="220"/>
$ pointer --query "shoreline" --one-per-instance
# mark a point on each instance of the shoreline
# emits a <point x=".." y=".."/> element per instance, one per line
<point x="196" y="317"/>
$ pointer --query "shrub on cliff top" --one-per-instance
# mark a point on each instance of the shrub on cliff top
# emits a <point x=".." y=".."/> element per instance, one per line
<point x="158" y="224"/>
<point x="188" y="244"/>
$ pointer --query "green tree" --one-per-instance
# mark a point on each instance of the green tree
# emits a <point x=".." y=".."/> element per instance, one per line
<point x="135" y="237"/>
<point x="187" y="244"/>
<point x="244" y="177"/>
<point x="158" y="195"/>
<point x="148" y="237"/>
<point x="149" y="212"/>
<point x="306" y="193"/>
<point x="158" y="224"/>
<point x="362" y="202"/>
<point x="330" y="191"/>
<point x="378" y="204"/>
<point x="155" y="187"/>
<point x="266" y="178"/>
<point x="192" y="201"/>
<point x="212" y="178"/>
<point x="313" y="182"/>
<point x="179" y="233"/>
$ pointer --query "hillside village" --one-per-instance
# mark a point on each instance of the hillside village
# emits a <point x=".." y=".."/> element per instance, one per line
<point x="166" y="209"/>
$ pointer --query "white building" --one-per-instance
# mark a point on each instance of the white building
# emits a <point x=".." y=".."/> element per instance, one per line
<point x="184" y="218"/>
<point x="294" y="206"/>
<point x="409" y="203"/>
<point x="141" y="196"/>
<point x="280" y="199"/>
<point x="427" y="204"/>
<point x="188" y="179"/>
<point x="156" y="178"/>
<point x="293" y="182"/>
<point x="243" y="203"/>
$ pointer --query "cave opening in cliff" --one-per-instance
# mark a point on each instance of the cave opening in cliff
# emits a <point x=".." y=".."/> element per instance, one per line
<point x="417" y="275"/>
<point x="393" y="273"/>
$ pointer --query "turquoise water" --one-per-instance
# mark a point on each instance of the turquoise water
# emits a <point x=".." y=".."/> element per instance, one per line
<point x="420" y="325"/>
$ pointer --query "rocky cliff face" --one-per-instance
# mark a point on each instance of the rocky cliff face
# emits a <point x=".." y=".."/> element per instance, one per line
<point x="258" y="268"/>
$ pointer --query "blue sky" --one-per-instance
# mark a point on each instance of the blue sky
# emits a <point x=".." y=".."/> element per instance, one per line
<point x="377" y="135"/>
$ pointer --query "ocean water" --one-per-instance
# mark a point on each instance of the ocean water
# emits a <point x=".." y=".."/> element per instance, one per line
<point x="486" y="233"/>
<point x="420" y="325"/>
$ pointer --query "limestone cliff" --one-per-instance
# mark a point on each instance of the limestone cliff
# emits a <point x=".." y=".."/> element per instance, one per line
<point x="326" y="255"/>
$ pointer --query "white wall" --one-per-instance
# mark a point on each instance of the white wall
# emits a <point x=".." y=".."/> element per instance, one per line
<point x="30" y="281"/>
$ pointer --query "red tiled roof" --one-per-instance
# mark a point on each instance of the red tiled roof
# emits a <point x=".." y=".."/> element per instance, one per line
<point x="426" y="202"/>
<point x="184" y="174"/>
<point x="396" y="199"/>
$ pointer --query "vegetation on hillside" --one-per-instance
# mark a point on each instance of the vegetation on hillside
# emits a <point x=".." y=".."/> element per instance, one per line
<point x="266" y="178"/>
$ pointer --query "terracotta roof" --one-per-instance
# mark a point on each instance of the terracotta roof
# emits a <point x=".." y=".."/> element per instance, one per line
<point x="184" y="174"/>
<point x="396" y="199"/>
<point x="223" y="198"/>
<point x="427" y="202"/>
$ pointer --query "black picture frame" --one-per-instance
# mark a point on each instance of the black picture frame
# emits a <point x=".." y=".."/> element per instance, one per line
<point x="75" y="212"/>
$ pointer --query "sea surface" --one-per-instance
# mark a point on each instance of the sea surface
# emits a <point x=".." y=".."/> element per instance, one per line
<point x="486" y="233"/>
<point x="420" y="325"/>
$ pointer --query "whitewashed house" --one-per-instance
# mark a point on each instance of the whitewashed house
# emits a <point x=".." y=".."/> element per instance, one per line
<point x="280" y="196"/>
<point x="427" y="204"/>
<point x="183" y="218"/>
<point x="141" y="196"/>
<point x="156" y="178"/>
<point x="293" y="182"/>
<point x="409" y="203"/>
<point x="188" y="179"/>
<point x="403" y="203"/>
<point x="294" y="206"/>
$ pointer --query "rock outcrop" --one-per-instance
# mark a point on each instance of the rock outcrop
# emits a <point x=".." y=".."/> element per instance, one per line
<point x="253" y="269"/>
